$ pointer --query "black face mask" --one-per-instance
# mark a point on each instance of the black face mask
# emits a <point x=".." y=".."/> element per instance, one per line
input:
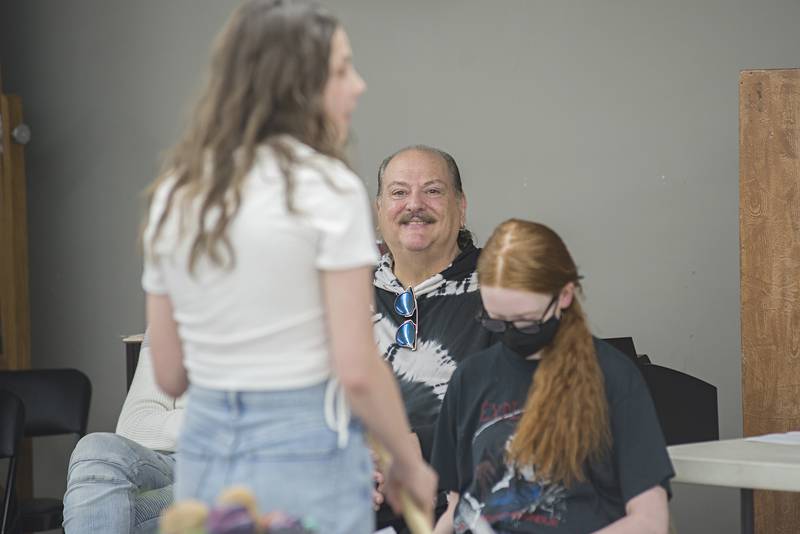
<point x="528" y="344"/>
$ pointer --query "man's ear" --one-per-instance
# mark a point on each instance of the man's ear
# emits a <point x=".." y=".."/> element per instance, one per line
<point x="463" y="206"/>
<point x="376" y="213"/>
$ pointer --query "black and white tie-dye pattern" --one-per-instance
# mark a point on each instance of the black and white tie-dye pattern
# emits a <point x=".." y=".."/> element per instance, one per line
<point x="448" y="303"/>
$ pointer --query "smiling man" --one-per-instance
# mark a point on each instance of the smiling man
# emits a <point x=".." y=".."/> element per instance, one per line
<point x="426" y="288"/>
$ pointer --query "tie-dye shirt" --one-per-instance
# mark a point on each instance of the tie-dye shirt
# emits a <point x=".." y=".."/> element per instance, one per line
<point x="448" y="303"/>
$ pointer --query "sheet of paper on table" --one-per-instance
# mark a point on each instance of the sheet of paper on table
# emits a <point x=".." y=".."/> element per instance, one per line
<point x="786" y="438"/>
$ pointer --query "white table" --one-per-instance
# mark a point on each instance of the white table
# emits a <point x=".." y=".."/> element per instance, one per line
<point x="738" y="463"/>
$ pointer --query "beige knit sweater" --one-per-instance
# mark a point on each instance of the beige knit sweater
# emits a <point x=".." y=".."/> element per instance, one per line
<point x="149" y="416"/>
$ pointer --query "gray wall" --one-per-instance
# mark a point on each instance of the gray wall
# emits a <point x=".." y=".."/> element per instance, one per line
<point x="613" y="122"/>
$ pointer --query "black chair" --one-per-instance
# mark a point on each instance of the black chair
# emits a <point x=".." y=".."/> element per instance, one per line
<point x="56" y="402"/>
<point x="12" y="421"/>
<point x="686" y="406"/>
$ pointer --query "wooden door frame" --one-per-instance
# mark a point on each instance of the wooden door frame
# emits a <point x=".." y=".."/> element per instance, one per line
<point x="15" y="326"/>
<point x="14" y="282"/>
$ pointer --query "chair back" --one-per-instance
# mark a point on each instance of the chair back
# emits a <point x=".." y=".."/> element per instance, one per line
<point x="12" y="422"/>
<point x="56" y="400"/>
<point x="686" y="406"/>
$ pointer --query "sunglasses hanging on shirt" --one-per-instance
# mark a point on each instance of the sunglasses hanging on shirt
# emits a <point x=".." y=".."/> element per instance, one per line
<point x="406" y="306"/>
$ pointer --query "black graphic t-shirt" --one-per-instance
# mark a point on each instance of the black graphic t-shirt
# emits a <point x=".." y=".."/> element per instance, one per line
<point x="479" y="416"/>
<point x="448" y="332"/>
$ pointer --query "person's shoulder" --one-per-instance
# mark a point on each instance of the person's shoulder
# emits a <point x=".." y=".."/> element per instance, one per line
<point x="164" y="185"/>
<point x="622" y="374"/>
<point x="612" y="358"/>
<point x="162" y="215"/>
<point x="481" y="362"/>
<point x="308" y="166"/>
<point x="161" y="190"/>
<point x="318" y="166"/>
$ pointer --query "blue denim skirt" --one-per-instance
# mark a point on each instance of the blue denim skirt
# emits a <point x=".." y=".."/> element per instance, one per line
<point x="278" y="444"/>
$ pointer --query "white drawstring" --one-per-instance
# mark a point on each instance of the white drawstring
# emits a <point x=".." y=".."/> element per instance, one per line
<point x="337" y="411"/>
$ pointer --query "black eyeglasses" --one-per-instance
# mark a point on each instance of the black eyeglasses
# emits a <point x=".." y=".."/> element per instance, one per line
<point x="499" y="326"/>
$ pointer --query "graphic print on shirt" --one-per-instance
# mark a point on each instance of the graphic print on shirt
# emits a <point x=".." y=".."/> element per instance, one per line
<point x="509" y="496"/>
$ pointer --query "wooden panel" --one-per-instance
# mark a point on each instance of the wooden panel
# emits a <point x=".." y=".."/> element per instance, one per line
<point x="14" y="296"/>
<point x="769" y="232"/>
<point x="14" y="303"/>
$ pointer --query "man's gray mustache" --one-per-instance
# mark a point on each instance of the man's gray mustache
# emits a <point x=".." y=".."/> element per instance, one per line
<point x="423" y="217"/>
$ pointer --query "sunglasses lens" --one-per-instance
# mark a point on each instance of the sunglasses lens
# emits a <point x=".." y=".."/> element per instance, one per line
<point x="406" y="335"/>
<point x="404" y="304"/>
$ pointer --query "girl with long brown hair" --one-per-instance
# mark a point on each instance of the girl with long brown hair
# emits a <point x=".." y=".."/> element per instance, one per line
<point x="259" y="253"/>
<point x="551" y="430"/>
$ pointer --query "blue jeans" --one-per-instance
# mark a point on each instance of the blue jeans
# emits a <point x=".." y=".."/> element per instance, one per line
<point x="115" y="486"/>
<point x="278" y="444"/>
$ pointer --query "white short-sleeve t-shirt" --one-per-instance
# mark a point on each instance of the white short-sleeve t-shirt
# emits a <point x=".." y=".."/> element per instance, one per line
<point x="260" y="325"/>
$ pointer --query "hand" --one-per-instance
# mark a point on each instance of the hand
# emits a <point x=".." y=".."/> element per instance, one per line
<point x="379" y="490"/>
<point x="418" y="480"/>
